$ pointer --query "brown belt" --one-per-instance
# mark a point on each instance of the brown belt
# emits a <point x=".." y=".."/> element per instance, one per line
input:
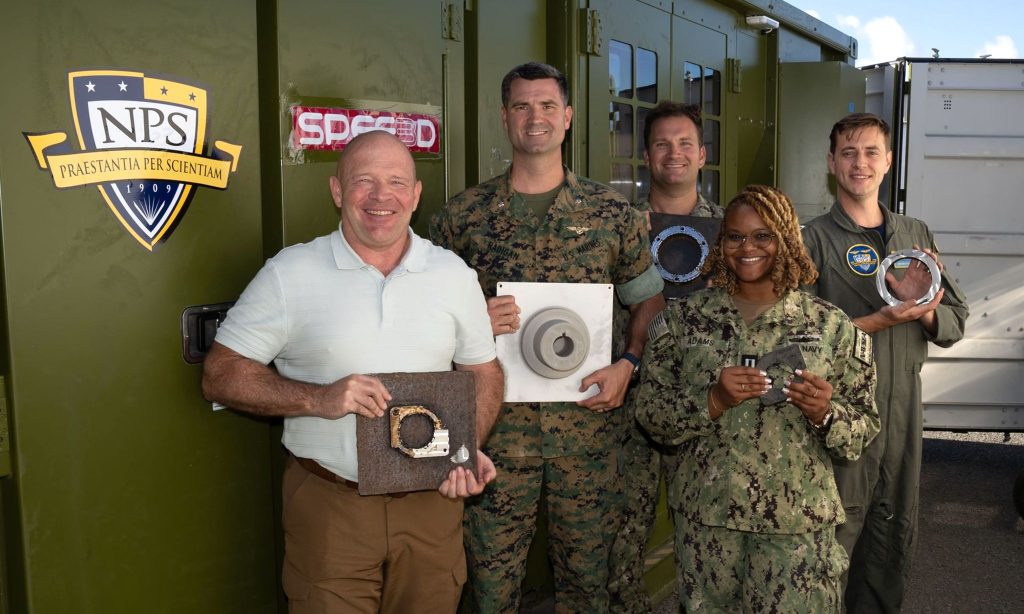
<point x="321" y="472"/>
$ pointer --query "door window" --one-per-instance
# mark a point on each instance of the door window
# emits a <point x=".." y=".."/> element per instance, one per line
<point x="633" y="85"/>
<point x="702" y="86"/>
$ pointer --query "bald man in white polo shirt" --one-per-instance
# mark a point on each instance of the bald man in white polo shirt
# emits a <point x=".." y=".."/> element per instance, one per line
<point x="371" y="297"/>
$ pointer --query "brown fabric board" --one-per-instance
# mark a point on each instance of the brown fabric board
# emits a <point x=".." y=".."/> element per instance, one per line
<point x="451" y="396"/>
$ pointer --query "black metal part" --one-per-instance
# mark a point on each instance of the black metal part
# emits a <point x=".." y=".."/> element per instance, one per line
<point x="677" y="254"/>
<point x="780" y="364"/>
<point x="199" y="325"/>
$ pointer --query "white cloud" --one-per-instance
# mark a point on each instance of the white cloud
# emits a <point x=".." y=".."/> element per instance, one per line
<point x="1002" y="47"/>
<point x="813" y="13"/>
<point x="848" y="22"/>
<point x="880" y="39"/>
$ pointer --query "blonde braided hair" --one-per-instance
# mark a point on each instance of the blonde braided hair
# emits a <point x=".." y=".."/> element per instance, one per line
<point x="793" y="267"/>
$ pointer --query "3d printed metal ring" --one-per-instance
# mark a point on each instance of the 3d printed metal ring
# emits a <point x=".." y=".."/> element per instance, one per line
<point x="555" y="342"/>
<point x="883" y="267"/>
<point x="670" y="232"/>
<point x="438" y="444"/>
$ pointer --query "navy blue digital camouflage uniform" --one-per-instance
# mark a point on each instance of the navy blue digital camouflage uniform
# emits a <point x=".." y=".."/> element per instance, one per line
<point x="754" y="498"/>
<point x="642" y="463"/>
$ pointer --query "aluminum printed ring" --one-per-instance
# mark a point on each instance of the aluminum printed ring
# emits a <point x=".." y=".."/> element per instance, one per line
<point x="670" y="232"/>
<point x="555" y="342"/>
<point x="438" y="444"/>
<point x="916" y="254"/>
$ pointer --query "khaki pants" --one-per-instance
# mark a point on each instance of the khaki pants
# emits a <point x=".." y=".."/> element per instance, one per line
<point x="346" y="553"/>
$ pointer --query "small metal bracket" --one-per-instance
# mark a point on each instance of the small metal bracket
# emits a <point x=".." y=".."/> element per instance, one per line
<point x="438" y="444"/>
<point x="735" y="67"/>
<point x="592" y="43"/>
<point x="199" y="325"/>
<point x="452" y="21"/>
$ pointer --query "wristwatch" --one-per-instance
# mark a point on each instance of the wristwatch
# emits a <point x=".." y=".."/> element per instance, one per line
<point x="633" y="360"/>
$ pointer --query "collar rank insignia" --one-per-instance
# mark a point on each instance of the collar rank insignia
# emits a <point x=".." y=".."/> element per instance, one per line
<point x="142" y="143"/>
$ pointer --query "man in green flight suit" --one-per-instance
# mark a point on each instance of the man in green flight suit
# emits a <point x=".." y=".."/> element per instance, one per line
<point x="847" y="244"/>
<point x="539" y="222"/>
<point x="674" y="152"/>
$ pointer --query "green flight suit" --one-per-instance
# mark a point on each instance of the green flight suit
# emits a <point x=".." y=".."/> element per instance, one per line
<point x="880" y="491"/>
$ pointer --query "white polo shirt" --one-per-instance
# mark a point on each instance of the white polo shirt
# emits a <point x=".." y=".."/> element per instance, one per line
<point x="320" y="314"/>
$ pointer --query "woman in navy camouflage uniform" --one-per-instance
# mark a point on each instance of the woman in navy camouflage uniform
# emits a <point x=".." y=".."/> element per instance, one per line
<point x="754" y="501"/>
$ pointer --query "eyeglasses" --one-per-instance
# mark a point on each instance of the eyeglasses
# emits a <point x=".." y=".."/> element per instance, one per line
<point x="758" y="239"/>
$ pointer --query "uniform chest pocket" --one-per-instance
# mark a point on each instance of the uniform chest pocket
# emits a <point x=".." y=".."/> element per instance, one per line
<point x="849" y="285"/>
<point x="818" y="356"/>
<point x="495" y="249"/>
<point x="808" y="342"/>
<point x="582" y="253"/>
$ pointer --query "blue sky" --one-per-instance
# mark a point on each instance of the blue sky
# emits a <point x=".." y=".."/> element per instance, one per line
<point x="886" y="30"/>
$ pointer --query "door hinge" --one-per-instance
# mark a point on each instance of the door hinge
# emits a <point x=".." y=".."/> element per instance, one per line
<point x="592" y="32"/>
<point x="452" y="20"/>
<point x="735" y="66"/>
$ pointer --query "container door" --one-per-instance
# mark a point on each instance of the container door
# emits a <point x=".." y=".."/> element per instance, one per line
<point x="627" y="79"/>
<point x="130" y="182"/>
<point x="699" y="50"/>
<point x="962" y="176"/>
<point x="348" y="67"/>
<point x="628" y="74"/>
<point x="812" y="97"/>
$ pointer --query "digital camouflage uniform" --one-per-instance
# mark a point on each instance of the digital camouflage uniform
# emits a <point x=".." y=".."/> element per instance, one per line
<point x="880" y="491"/>
<point x="753" y="497"/>
<point x="642" y="462"/>
<point x="590" y="235"/>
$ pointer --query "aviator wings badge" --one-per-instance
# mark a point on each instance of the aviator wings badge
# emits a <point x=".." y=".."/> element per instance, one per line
<point x="142" y="141"/>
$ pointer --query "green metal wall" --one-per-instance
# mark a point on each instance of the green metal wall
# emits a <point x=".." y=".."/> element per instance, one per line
<point x="813" y="96"/>
<point x="499" y="35"/>
<point x="357" y="55"/>
<point x="128" y="493"/>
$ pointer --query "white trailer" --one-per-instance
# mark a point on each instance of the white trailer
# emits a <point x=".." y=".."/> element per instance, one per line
<point x="959" y="166"/>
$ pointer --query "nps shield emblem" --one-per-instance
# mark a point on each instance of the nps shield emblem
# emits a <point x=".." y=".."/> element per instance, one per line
<point x="142" y="141"/>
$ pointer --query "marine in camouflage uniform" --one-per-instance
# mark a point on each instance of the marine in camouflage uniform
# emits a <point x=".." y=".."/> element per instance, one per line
<point x="642" y="463"/>
<point x="674" y="153"/>
<point x="590" y="235"/>
<point x="753" y="498"/>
